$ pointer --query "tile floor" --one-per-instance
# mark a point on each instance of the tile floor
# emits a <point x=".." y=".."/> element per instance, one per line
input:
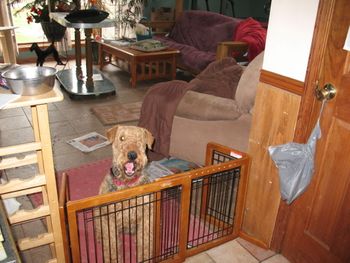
<point x="72" y="118"/>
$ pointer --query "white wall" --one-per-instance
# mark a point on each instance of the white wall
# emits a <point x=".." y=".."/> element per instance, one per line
<point x="289" y="37"/>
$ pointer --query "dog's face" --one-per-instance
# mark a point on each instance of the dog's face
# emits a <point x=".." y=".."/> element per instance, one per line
<point x="129" y="149"/>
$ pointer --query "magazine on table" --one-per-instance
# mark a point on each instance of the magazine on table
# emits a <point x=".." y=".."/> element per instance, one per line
<point x="168" y="166"/>
<point x="89" y="142"/>
<point x="154" y="170"/>
<point x="119" y="42"/>
<point x="177" y="165"/>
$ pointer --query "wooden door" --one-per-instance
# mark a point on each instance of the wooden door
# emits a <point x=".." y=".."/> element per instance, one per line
<point x="318" y="228"/>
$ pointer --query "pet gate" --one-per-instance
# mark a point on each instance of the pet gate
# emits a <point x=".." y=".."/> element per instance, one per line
<point x="165" y="221"/>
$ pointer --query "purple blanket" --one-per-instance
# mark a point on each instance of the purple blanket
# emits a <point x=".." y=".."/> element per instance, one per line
<point x="158" y="109"/>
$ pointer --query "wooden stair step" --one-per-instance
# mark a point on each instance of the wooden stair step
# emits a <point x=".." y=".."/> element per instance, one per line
<point x="14" y="161"/>
<point x="25" y="215"/>
<point x="40" y="240"/>
<point x="21" y="184"/>
<point x="21" y="148"/>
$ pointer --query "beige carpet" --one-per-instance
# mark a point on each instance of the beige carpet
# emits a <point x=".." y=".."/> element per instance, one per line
<point x="117" y="113"/>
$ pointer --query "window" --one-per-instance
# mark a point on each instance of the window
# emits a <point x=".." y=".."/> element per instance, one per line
<point x="32" y="32"/>
<point x="26" y="33"/>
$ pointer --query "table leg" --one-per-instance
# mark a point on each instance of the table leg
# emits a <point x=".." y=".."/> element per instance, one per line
<point x="36" y="121"/>
<point x="42" y="132"/>
<point x="173" y="67"/>
<point x="88" y="54"/>
<point x="78" y="53"/>
<point x="100" y="56"/>
<point x="133" y="79"/>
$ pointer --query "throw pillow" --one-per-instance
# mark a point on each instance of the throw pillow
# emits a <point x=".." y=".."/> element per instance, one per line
<point x="219" y="78"/>
<point x="252" y="32"/>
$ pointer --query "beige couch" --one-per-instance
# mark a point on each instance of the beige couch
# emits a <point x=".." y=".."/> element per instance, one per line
<point x="201" y="118"/>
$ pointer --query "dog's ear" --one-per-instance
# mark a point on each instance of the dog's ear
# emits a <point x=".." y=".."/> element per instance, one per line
<point x="148" y="138"/>
<point x="111" y="133"/>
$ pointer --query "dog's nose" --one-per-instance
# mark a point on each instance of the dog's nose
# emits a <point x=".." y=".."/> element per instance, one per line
<point x="132" y="155"/>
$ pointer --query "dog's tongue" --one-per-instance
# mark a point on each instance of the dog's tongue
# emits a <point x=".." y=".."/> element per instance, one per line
<point x="129" y="167"/>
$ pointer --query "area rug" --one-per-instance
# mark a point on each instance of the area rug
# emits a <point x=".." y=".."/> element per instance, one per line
<point x="117" y="113"/>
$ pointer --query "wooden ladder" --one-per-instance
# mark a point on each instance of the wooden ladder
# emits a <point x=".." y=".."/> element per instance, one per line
<point x="38" y="152"/>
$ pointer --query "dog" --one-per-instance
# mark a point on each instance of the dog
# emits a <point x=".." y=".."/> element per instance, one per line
<point x="42" y="54"/>
<point x="134" y="216"/>
<point x="129" y="158"/>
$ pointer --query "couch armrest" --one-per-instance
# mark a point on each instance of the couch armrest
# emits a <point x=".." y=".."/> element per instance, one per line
<point x="201" y="106"/>
<point x="225" y="49"/>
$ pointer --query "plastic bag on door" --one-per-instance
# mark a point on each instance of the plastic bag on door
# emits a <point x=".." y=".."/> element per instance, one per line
<point x="295" y="163"/>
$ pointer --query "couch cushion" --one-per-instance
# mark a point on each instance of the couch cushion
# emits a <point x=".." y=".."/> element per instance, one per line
<point x="220" y="78"/>
<point x="247" y="85"/>
<point x="233" y="134"/>
<point x="203" y="30"/>
<point x="199" y="106"/>
<point x="190" y="57"/>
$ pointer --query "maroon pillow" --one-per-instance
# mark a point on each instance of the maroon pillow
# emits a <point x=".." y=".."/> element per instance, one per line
<point x="220" y="78"/>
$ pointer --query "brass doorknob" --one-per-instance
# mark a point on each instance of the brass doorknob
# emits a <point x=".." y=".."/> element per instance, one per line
<point x="326" y="93"/>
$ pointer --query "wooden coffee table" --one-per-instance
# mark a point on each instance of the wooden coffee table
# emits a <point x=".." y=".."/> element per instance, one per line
<point x="141" y="65"/>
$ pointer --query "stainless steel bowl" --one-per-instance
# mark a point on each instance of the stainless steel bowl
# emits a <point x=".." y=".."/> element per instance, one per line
<point x="30" y="80"/>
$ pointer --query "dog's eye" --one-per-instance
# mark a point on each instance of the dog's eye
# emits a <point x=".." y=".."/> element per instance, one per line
<point x="121" y="138"/>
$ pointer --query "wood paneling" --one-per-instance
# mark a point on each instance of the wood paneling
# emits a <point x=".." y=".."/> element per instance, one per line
<point x="282" y="82"/>
<point x="274" y="119"/>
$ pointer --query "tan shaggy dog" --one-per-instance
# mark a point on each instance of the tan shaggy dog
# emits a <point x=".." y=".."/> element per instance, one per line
<point x="133" y="216"/>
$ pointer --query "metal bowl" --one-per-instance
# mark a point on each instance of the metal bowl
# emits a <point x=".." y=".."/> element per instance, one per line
<point x="30" y="80"/>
